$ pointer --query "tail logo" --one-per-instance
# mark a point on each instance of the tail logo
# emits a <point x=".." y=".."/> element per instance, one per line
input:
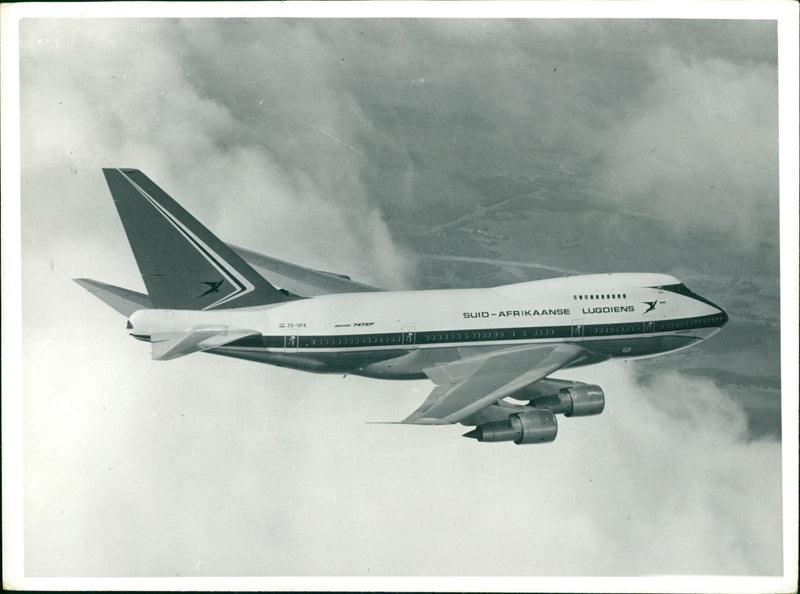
<point x="213" y="286"/>
<point x="651" y="305"/>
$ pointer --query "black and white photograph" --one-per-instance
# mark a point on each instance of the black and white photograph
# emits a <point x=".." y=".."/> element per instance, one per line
<point x="352" y="296"/>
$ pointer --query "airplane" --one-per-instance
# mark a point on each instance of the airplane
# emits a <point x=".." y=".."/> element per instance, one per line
<point x="488" y="351"/>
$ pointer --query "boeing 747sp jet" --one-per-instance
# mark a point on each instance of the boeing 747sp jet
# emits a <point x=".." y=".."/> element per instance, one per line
<point x="480" y="347"/>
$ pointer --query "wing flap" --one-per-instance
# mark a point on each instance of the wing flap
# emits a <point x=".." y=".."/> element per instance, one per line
<point x="479" y="382"/>
<point x="172" y="345"/>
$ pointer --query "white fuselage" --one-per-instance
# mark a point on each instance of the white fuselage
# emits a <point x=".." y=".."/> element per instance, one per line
<point x="397" y="334"/>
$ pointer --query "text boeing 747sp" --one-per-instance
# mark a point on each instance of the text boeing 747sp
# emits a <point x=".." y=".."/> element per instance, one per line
<point x="479" y="347"/>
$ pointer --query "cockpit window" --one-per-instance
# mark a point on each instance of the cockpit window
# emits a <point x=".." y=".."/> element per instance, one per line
<point x="129" y="326"/>
<point x="682" y="289"/>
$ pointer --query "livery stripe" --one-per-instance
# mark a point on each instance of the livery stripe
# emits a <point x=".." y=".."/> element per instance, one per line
<point x="486" y="335"/>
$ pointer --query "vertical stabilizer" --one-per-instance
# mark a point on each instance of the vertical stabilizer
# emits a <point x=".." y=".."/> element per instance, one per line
<point x="183" y="265"/>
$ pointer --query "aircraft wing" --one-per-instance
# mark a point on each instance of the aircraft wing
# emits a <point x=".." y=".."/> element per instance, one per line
<point x="468" y="385"/>
<point x="300" y="280"/>
<point x="172" y="345"/>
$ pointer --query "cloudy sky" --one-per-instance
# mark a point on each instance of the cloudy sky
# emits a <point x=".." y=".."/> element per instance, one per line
<point x="365" y="147"/>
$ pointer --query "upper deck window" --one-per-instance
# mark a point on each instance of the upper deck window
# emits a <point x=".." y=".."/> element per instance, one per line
<point x="604" y="296"/>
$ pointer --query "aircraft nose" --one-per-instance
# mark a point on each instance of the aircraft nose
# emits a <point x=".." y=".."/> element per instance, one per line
<point x="723" y="317"/>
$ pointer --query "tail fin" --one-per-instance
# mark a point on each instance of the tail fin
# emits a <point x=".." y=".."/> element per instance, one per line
<point x="183" y="265"/>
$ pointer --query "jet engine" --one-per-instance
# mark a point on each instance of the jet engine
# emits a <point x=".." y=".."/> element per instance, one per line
<point x="534" y="426"/>
<point x="579" y="400"/>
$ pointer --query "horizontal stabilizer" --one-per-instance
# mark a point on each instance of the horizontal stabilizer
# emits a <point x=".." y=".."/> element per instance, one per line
<point x="300" y="280"/>
<point x="177" y="344"/>
<point x="124" y="301"/>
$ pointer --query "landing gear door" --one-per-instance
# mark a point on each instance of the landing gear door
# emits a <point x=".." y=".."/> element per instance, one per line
<point x="409" y="337"/>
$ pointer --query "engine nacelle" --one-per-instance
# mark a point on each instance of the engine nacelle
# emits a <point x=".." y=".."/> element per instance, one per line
<point x="584" y="400"/>
<point x="538" y="426"/>
<point x="534" y="426"/>
<point x="579" y="400"/>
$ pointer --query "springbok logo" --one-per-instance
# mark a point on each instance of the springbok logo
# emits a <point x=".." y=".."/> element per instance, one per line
<point x="213" y="287"/>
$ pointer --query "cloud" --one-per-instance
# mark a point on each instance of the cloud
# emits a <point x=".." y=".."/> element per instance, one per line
<point x="699" y="149"/>
<point x="683" y="476"/>
<point x="150" y="114"/>
<point x="672" y="127"/>
<point x="209" y="466"/>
